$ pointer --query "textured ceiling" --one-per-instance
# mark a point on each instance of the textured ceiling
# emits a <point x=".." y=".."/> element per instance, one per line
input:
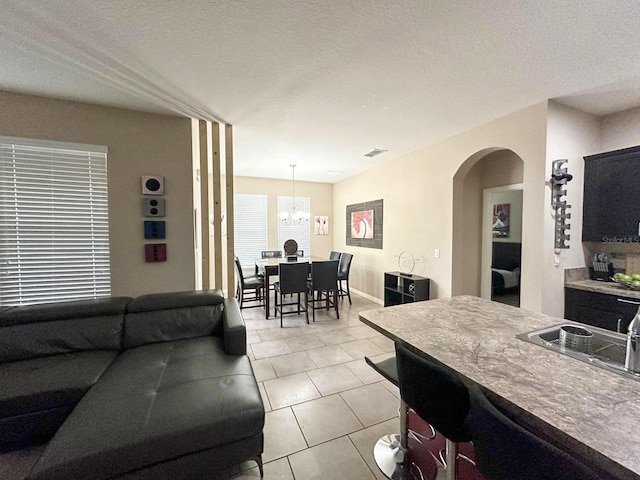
<point x="319" y="83"/>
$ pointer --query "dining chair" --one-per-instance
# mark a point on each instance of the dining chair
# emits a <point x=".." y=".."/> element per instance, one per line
<point x="505" y="450"/>
<point x="290" y="247"/>
<point x="271" y="254"/>
<point x="323" y="286"/>
<point x="251" y="283"/>
<point x="344" y="267"/>
<point x="292" y="280"/>
<point x="334" y="255"/>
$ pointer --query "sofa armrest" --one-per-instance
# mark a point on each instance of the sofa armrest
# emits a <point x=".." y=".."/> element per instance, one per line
<point x="234" y="331"/>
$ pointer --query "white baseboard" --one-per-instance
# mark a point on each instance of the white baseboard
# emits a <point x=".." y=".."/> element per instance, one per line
<point x="368" y="297"/>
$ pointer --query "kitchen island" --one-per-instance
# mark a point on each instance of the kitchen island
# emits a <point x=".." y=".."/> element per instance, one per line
<point x="591" y="412"/>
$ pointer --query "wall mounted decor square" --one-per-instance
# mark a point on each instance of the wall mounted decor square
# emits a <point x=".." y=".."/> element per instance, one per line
<point x="501" y="220"/>
<point x="321" y="225"/>
<point x="364" y="224"/>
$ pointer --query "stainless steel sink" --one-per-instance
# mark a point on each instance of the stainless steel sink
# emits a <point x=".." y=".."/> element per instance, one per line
<point x="607" y="348"/>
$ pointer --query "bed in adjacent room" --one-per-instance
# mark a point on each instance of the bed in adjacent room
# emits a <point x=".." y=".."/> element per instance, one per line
<point x="505" y="268"/>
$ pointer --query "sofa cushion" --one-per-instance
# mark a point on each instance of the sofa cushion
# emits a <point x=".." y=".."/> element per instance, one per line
<point x="50" y="329"/>
<point x="44" y="383"/>
<point x="157" y="402"/>
<point x="173" y="316"/>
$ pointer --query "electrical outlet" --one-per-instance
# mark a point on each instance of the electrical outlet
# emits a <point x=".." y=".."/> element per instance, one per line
<point x="436" y="253"/>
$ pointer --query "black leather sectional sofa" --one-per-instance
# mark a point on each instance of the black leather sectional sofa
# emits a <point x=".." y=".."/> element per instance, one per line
<point x="153" y="387"/>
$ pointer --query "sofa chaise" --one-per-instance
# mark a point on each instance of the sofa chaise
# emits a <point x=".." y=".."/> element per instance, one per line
<point x="153" y="387"/>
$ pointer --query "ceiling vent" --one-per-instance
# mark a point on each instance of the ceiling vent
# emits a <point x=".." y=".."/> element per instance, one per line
<point x="374" y="152"/>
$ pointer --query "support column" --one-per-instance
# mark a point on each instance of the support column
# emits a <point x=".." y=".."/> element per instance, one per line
<point x="217" y="207"/>
<point x="204" y="206"/>
<point x="231" y="284"/>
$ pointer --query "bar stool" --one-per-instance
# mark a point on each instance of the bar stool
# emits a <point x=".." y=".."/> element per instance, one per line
<point x="390" y="450"/>
<point x="438" y="396"/>
<point x="504" y="450"/>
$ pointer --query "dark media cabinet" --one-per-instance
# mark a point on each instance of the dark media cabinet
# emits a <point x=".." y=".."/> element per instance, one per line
<point x="402" y="288"/>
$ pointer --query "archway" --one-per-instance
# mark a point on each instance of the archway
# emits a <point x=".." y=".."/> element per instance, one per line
<point x="488" y="168"/>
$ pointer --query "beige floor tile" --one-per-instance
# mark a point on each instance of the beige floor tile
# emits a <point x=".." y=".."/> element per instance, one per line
<point x="364" y="371"/>
<point x="360" y="348"/>
<point x="386" y="344"/>
<point x="291" y="363"/>
<point x="372" y="403"/>
<point x="335" y="337"/>
<point x="276" y="470"/>
<point x="290" y="390"/>
<point x="270" y="349"/>
<point x="282" y="435"/>
<point x="331" y="355"/>
<point x="306" y="342"/>
<point x="365" y="440"/>
<point x="263" y="370"/>
<point x="333" y="379"/>
<point x="391" y="387"/>
<point x="335" y="460"/>
<point x="267" y="334"/>
<point x="325" y="419"/>
<point x="265" y="397"/>
<point x="362" y="331"/>
<point x="252" y="337"/>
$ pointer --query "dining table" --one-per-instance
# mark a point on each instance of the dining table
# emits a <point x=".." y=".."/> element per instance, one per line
<point x="590" y="412"/>
<point x="269" y="267"/>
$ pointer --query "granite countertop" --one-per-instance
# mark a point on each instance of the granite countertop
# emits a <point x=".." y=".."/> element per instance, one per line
<point x="578" y="278"/>
<point x="590" y="411"/>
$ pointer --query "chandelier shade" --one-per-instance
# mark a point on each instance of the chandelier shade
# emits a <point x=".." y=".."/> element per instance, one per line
<point x="293" y="215"/>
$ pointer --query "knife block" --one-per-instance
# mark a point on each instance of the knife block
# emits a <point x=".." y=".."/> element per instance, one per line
<point x="601" y="271"/>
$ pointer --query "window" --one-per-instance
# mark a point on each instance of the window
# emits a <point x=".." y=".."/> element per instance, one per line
<point x="301" y="233"/>
<point x="250" y="215"/>
<point x="54" y="222"/>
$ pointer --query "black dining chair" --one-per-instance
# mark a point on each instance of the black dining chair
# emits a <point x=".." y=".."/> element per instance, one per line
<point x="344" y="267"/>
<point x="271" y="254"/>
<point x="505" y="450"/>
<point x="323" y="286"/>
<point x="438" y="396"/>
<point x="253" y="284"/>
<point x="292" y="280"/>
<point x="334" y="255"/>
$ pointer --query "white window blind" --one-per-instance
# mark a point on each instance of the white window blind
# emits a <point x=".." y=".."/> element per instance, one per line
<point x="54" y="223"/>
<point x="250" y="229"/>
<point x="301" y="232"/>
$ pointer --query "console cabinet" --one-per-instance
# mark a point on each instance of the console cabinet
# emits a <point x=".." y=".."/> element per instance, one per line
<point x="611" y="197"/>
<point x="401" y="288"/>
<point x="613" y="312"/>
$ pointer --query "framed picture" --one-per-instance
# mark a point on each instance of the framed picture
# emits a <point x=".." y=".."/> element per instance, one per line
<point x="364" y="224"/>
<point x="501" y="220"/>
<point x="321" y="225"/>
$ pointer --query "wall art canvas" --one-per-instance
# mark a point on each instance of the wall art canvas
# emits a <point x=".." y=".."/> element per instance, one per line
<point x="321" y="225"/>
<point x="364" y="224"/>
<point x="501" y="220"/>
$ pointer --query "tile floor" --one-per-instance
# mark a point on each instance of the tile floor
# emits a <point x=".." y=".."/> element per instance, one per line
<point x="325" y="406"/>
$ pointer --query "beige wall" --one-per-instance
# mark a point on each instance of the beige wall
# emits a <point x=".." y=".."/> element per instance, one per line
<point x="139" y="144"/>
<point x="620" y="130"/>
<point x="321" y="204"/>
<point x="418" y="192"/>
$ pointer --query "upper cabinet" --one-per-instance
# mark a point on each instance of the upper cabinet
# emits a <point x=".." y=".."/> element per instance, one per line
<point x="611" y="207"/>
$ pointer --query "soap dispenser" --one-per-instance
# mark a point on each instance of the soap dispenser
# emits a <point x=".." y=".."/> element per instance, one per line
<point x="632" y="359"/>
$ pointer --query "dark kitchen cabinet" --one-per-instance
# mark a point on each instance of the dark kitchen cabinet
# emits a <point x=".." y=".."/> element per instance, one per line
<point x="613" y="312"/>
<point x="401" y="288"/>
<point x="611" y="206"/>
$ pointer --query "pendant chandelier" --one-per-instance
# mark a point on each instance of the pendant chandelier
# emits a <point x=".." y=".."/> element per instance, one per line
<point x="293" y="216"/>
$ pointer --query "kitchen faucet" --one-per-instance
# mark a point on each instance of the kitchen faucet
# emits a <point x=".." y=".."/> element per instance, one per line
<point x="632" y="359"/>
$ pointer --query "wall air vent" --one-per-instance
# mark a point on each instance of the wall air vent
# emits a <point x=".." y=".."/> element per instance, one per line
<point x="374" y="152"/>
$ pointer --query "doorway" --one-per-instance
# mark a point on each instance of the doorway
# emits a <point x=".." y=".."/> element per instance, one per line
<point x="502" y="244"/>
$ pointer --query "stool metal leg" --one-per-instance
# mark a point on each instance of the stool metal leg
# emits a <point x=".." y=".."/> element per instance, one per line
<point x="389" y="451"/>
